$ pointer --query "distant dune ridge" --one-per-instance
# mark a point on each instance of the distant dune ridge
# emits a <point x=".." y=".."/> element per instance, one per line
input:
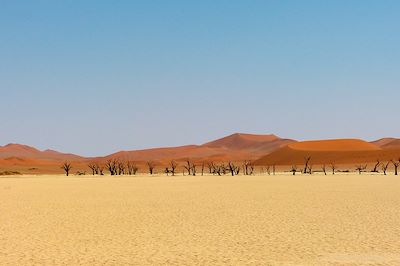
<point x="261" y="149"/>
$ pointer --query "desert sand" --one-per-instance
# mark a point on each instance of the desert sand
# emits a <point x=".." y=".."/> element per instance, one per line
<point x="256" y="220"/>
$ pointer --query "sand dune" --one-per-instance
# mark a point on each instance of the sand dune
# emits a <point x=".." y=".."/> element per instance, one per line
<point x="263" y="149"/>
<point x="388" y="143"/>
<point x="234" y="147"/>
<point x="334" y="145"/>
<point x="255" y="220"/>
<point x="329" y="151"/>
<point x="24" y="151"/>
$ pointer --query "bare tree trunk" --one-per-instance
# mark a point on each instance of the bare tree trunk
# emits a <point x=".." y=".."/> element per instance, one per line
<point x="306" y="161"/>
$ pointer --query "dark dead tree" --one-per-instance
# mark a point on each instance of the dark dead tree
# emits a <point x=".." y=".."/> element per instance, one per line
<point x="375" y="169"/>
<point x="251" y="169"/>
<point x="188" y="166"/>
<point x="232" y="168"/>
<point x="131" y="168"/>
<point x="210" y="166"/>
<point x="293" y="169"/>
<point x="268" y="168"/>
<point x="395" y="165"/>
<point x="100" y="169"/>
<point x="151" y="165"/>
<point x="202" y="168"/>
<point x="111" y="166"/>
<point x="333" y="167"/>
<point x="310" y="169"/>
<point x="218" y="169"/>
<point x="273" y="169"/>
<point x="97" y="168"/>
<point x="324" y="169"/>
<point x="248" y="168"/>
<point x="167" y="171"/>
<point x="385" y="167"/>
<point x="194" y="170"/>
<point x="224" y="169"/>
<point x="237" y="172"/>
<point x="120" y="168"/>
<point x="93" y="167"/>
<point x="306" y="162"/>
<point x="361" y="168"/>
<point x="67" y="167"/>
<point x="173" y="164"/>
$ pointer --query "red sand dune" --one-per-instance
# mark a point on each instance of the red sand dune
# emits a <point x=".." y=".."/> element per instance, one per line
<point x="263" y="149"/>
<point x="387" y="143"/>
<point x="344" y="151"/>
<point x="334" y="145"/>
<point x="234" y="147"/>
<point x="24" y="151"/>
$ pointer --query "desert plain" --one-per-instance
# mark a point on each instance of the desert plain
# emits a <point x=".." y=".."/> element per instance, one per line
<point x="342" y="219"/>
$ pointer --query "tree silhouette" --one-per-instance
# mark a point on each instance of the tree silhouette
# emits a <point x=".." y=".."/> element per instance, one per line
<point x="151" y="165"/>
<point x="361" y="168"/>
<point x="306" y="161"/>
<point x="396" y="165"/>
<point x="67" y="167"/>
<point x="173" y="164"/>
<point x="324" y="168"/>
<point x="375" y="169"/>
<point x="385" y="167"/>
<point x="293" y="169"/>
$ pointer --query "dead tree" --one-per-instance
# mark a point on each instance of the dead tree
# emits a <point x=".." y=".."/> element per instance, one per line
<point x="223" y="168"/>
<point x="202" y="168"/>
<point x="268" y="168"/>
<point x="333" y="167"/>
<point x="111" y="166"/>
<point x="375" y="169"/>
<point x="167" y="171"/>
<point x="120" y="168"/>
<point x="324" y="169"/>
<point x="218" y="169"/>
<point x="306" y="162"/>
<point x="361" y="168"/>
<point x="173" y="166"/>
<point x="233" y="168"/>
<point x="293" y="169"/>
<point x="210" y="166"/>
<point x="188" y="166"/>
<point x="396" y="165"/>
<point x="151" y="165"/>
<point x="310" y="169"/>
<point x="131" y="168"/>
<point x="273" y="169"/>
<point x="93" y="167"/>
<point x="194" y="171"/>
<point x="100" y="169"/>
<point x="248" y="168"/>
<point x="385" y="167"/>
<point x="67" y="167"/>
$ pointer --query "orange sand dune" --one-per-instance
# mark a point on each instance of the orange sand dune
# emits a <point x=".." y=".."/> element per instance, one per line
<point x="24" y="151"/>
<point x="334" y="145"/>
<point x="234" y="147"/>
<point x="347" y="151"/>
<point x="263" y="149"/>
<point x="387" y="143"/>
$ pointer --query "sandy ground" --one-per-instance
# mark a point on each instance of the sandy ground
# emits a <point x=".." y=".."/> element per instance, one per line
<point x="258" y="220"/>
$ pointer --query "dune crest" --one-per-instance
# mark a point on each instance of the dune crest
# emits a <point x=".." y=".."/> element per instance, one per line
<point x="334" y="145"/>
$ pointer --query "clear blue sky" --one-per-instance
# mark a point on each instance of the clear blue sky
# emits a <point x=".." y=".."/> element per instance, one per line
<point x="94" y="77"/>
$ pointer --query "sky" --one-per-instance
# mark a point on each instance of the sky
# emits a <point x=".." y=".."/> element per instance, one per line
<point x="95" y="77"/>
